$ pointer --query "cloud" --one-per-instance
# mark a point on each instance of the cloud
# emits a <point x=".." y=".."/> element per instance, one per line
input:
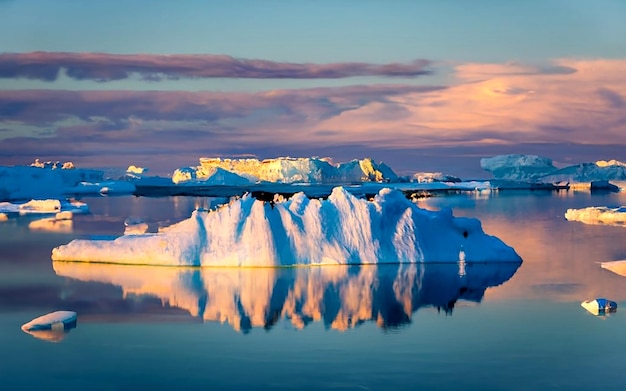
<point x="45" y="107"/>
<point x="104" y="67"/>
<point x="561" y="114"/>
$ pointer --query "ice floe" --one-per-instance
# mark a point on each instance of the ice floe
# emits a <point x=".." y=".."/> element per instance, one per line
<point x="51" y="327"/>
<point x="598" y="215"/>
<point x="48" y="206"/>
<point x="600" y="306"/>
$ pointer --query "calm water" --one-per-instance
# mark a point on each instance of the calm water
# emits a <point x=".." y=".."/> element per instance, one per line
<point x="429" y="327"/>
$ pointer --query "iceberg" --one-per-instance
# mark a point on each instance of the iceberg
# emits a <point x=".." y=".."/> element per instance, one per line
<point x="518" y="167"/>
<point x="215" y="176"/>
<point x="598" y="215"/>
<point x="54" y="180"/>
<point x="52" y="326"/>
<point x="342" y="297"/>
<point x="601" y="170"/>
<point x="47" y="206"/>
<point x="289" y="170"/>
<point x="342" y="229"/>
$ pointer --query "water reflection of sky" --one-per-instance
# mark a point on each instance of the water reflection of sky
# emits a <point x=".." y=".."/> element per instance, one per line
<point x="340" y="297"/>
<point x="561" y="258"/>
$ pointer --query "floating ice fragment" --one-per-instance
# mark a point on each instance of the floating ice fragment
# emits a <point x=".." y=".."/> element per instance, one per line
<point x="52" y="326"/>
<point x="599" y="306"/>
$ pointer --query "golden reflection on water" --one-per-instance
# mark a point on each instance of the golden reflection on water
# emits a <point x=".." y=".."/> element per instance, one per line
<point x="339" y="296"/>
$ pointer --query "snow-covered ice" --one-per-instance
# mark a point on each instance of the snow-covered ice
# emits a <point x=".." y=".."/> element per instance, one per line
<point x="48" y="206"/>
<point x="300" y="231"/>
<point x="341" y="296"/>
<point x="291" y="170"/>
<point x="517" y="167"/>
<point x="429" y="177"/>
<point x="598" y="215"/>
<point x="533" y="168"/>
<point x="208" y="176"/>
<point x="600" y="306"/>
<point x="53" y="180"/>
<point x="52" y="326"/>
<point x="589" y="172"/>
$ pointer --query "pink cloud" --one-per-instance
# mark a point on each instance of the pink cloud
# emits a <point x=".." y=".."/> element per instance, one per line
<point x="489" y="107"/>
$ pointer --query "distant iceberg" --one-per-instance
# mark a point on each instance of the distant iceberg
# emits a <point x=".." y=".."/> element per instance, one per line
<point x="300" y="231"/>
<point x="215" y="176"/>
<point x="518" y="167"/>
<point x="598" y="215"/>
<point x="341" y="297"/>
<point x="287" y="170"/>
<point x="47" y="206"/>
<point x="55" y="180"/>
<point x="535" y="168"/>
<point x="589" y="172"/>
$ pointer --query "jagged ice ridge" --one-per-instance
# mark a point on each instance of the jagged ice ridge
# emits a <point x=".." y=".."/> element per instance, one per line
<point x="299" y="231"/>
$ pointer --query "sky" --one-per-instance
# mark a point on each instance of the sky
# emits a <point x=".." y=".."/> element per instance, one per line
<point x="420" y="85"/>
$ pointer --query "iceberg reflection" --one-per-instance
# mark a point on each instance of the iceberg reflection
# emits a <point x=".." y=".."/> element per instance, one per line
<point x="339" y="296"/>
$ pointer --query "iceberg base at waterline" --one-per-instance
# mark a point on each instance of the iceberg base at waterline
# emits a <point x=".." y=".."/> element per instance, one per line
<point x="342" y="229"/>
<point x="51" y="327"/>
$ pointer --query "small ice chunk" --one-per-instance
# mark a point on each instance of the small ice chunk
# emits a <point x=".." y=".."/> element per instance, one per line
<point x="58" y="320"/>
<point x="600" y="306"/>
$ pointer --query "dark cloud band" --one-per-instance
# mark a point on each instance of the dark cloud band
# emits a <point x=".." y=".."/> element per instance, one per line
<point x="104" y="67"/>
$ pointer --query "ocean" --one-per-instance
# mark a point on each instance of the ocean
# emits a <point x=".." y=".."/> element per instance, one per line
<point x="430" y="327"/>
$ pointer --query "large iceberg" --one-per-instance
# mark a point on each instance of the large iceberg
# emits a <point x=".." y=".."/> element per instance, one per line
<point x="291" y="170"/>
<point x="342" y="229"/>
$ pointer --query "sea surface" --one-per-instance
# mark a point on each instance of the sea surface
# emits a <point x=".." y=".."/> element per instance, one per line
<point x="427" y="327"/>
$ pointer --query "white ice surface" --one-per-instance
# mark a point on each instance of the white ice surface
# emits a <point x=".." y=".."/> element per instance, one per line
<point x="291" y="170"/>
<point x="340" y="230"/>
<point x="537" y="168"/>
<point x="589" y="172"/>
<point x="598" y="215"/>
<point x="49" y="206"/>
<point x="44" y="181"/>
<point x="53" y="320"/>
<point x="517" y="167"/>
<point x="207" y="176"/>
